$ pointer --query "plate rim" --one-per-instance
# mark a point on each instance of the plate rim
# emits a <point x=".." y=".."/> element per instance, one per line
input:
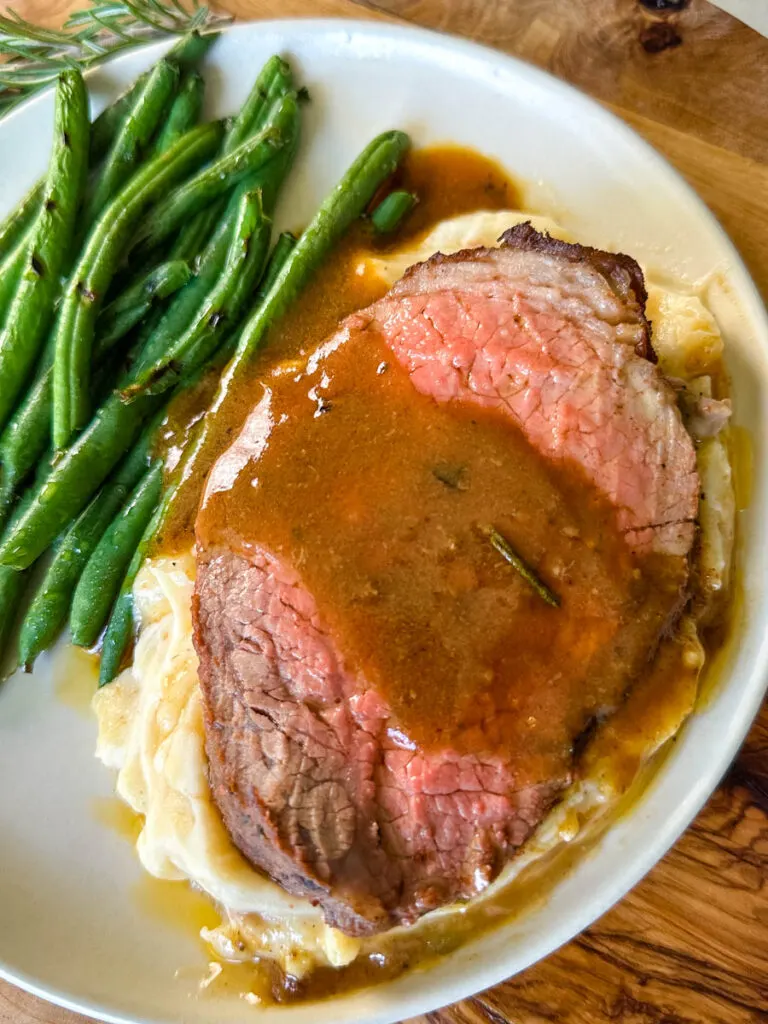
<point x="750" y="299"/>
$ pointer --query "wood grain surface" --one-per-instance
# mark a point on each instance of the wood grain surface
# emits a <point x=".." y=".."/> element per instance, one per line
<point x="690" y="944"/>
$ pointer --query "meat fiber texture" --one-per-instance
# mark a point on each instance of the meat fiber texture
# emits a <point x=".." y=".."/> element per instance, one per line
<point x="314" y="783"/>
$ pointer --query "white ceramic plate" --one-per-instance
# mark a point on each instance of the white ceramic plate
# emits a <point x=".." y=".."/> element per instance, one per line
<point x="71" y="928"/>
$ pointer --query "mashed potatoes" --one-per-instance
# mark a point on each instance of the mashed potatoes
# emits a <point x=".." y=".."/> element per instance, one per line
<point x="150" y="719"/>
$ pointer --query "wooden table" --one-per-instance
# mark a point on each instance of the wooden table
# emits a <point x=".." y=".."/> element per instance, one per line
<point x="690" y="944"/>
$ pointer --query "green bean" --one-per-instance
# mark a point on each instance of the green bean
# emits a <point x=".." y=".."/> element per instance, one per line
<point x="108" y="123"/>
<point x="27" y="433"/>
<point x="220" y="177"/>
<point x="158" y="283"/>
<point x="15" y="225"/>
<point x="187" y="307"/>
<point x="184" y="108"/>
<point x="96" y="267"/>
<point x="6" y="502"/>
<point x="184" y="55"/>
<point x="193" y="237"/>
<point x="103" y="131"/>
<point x="61" y="493"/>
<point x="254" y="265"/>
<point x="11" y="591"/>
<point x="120" y="628"/>
<point x="65" y="487"/>
<point x="190" y="49"/>
<point x="345" y="204"/>
<point x="133" y="138"/>
<point x="184" y="113"/>
<point x="283" y="247"/>
<point x="244" y="263"/>
<point x="119" y="632"/>
<point x="121" y="624"/>
<point x="31" y="310"/>
<point x="63" y="490"/>
<point x="181" y="312"/>
<point x="100" y="581"/>
<point x="163" y="331"/>
<point x="128" y="309"/>
<point x="11" y="270"/>
<point x="270" y="178"/>
<point x="392" y="210"/>
<point x="274" y="81"/>
<point x="12" y="586"/>
<point x="48" y="611"/>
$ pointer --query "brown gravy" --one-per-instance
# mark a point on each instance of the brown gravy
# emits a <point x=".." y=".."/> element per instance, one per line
<point x="379" y="498"/>
<point x="449" y="181"/>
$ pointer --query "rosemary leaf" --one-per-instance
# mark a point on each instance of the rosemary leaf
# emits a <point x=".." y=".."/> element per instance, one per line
<point x="36" y="55"/>
<point x="505" y="549"/>
<point x="451" y="475"/>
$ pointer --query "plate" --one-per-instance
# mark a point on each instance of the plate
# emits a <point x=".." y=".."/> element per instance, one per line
<point x="75" y="929"/>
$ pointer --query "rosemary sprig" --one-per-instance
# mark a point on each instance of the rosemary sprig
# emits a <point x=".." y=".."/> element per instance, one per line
<point x="34" y="56"/>
<point x="505" y="549"/>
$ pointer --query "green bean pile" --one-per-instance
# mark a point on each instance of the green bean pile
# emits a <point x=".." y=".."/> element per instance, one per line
<point x="140" y="263"/>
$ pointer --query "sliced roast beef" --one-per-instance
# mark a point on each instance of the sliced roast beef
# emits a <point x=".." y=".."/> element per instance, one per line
<point x="555" y="335"/>
<point x="391" y="708"/>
